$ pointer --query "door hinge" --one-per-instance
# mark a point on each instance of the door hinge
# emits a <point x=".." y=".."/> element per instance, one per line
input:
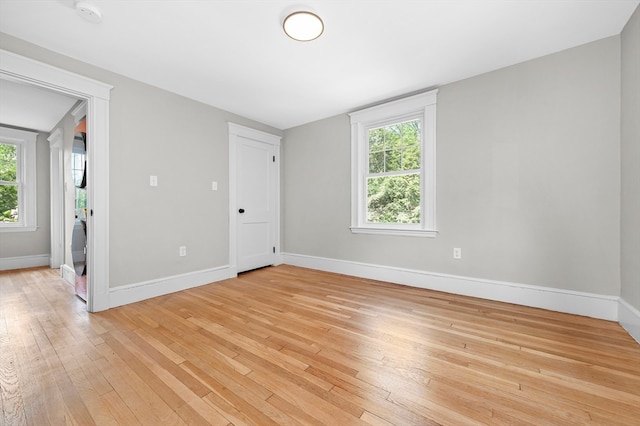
<point x="91" y="212"/>
<point x="274" y="250"/>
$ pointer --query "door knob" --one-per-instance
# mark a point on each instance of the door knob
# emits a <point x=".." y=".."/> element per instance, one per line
<point x="240" y="210"/>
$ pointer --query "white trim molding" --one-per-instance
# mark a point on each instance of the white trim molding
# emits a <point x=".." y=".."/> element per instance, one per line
<point x="26" y="70"/>
<point x="21" y="262"/>
<point x="136" y="292"/>
<point x="79" y="112"/>
<point x="56" y="191"/>
<point x="68" y="274"/>
<point x="559" y="300"/>
<point x="44" y="75"/>
<point x="629" y="319"/>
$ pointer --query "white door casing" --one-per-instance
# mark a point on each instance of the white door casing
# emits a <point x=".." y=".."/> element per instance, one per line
<point x="254" y="198"/>
<point x="26" y="70"/>
<point x="57" y="197"/>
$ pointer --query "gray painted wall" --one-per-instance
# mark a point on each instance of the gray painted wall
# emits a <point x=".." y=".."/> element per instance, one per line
<point x="528" y="178"/>
<point x="185" y="144"/>
<point x="630" y="156"/>
<point x="18" y="244"/>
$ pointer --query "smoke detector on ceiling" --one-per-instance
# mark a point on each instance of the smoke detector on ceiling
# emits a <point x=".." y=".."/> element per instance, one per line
<point x="89" y="11"/>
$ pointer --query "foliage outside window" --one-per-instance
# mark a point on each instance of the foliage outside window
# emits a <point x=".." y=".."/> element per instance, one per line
<point x="393" y="180"/>
<point x="393" y="167"/>
<point x="17" y="180"/>
<point x="8" y="183"/>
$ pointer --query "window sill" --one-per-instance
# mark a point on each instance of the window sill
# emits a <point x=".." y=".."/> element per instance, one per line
<point x="428" y="233"/>
<point x="18" y="228"/>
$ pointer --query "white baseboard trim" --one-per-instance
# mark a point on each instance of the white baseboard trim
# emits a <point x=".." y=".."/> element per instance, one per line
<point x="559" y="300"/>
<point x="21" y="262"/>
<point x="629" y="318"/>
<point x="136" y="292"/>
<point x="68" y="274"/>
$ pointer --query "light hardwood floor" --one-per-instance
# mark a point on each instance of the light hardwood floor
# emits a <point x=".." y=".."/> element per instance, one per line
<point x="287" y="345"/>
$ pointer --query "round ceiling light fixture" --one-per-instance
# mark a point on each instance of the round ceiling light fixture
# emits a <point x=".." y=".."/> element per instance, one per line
<point x="88" y="11"/>
<point x="303" y="26"/>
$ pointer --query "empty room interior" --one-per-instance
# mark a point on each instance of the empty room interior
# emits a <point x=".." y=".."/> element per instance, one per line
<point x="320" y="212"/>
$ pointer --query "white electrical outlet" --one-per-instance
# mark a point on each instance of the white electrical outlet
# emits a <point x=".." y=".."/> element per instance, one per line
<point x="457" y="253"/>
<point x="153" y="180"/>
<point x="214" y="186"/>
<point x="183" y="250"/>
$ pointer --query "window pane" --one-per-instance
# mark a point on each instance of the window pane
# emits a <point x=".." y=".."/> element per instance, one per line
<point x="376" y="162"/>
<point x="411" y="157"/>
<point x="401" y="145"/>
<point x="411" y="132"/>
<point x="393" y="199"/>
<point x="8" y="162"/>
<point x="392" y="136"/>
<point x="77" y="168"/>
<point x="81" y="203"/>
<point x="376" y="140"/>
<point x="9" y="203"/>
<point x="392" y="160"/>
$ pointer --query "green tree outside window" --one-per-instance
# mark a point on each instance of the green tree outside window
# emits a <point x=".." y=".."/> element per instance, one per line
<point x="393" y="181"/>
<point x="8" y="183"/>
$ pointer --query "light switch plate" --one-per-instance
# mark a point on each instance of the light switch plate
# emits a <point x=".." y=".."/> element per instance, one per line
<point x="153" y="180"/>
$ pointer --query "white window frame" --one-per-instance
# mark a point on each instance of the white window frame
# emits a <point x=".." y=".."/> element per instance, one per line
<point x="421" y="106"/>
<point x="25" y="177"/>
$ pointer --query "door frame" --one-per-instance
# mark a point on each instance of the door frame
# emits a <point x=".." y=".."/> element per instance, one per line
<point x="236" y="131"/>
<point x="56" y="195"/>
<point x="26" y="70"/>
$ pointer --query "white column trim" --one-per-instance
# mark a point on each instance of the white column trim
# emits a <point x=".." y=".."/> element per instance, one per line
<point x="56" y="194"/>
<point x="79" y="112"/>
<point x="629" y="319"/>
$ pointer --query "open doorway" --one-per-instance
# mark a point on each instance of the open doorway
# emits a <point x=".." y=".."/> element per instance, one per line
<point x="96" y="94"/>
<point x="46" y="207"/>
<point x="31" y="191"/>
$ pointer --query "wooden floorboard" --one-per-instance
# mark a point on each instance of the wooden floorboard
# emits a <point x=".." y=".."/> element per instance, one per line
<point x="293" y="346"/>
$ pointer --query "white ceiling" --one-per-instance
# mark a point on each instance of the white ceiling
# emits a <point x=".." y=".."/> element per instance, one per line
<point x="32" y="107"/>
<point x="234" y="55"/>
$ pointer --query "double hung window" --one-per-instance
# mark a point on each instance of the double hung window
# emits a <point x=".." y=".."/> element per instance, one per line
<point x="17" y="180"/>
<point x="393" y="167"/>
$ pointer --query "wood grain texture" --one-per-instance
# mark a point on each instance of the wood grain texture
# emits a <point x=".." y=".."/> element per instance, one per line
<point x="291" y="346"/>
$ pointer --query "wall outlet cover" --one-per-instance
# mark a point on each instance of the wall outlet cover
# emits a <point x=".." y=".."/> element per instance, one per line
<point x="457" y="253"/>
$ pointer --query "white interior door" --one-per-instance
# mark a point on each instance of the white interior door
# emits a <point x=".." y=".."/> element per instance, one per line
<point x="256" y="200"/>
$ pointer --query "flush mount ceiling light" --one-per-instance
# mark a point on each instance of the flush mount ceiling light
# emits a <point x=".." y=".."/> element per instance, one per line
<point x="88" y="11"/>
<point x="303" y="26"/>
